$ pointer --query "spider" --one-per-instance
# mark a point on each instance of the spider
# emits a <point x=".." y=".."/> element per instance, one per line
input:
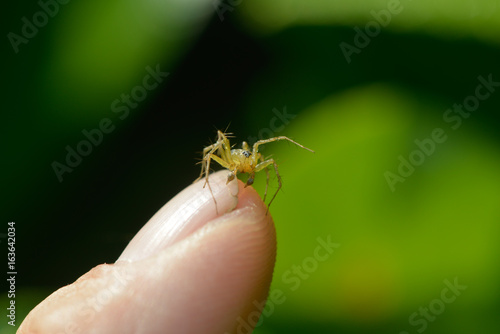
<point x="240" y="161"/>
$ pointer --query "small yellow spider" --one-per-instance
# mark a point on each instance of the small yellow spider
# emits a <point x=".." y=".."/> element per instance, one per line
<point x="240" y="161"/>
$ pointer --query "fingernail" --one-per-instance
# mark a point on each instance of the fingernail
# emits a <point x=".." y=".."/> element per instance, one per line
<point x="189" y="210"/>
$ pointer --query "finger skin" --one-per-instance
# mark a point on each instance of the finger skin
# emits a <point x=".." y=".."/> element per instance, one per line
<point x="189" y="210"/>
<point x="209" y="281"/>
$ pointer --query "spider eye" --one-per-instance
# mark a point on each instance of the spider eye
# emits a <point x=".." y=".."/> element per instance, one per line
<point x="247" y="154"/>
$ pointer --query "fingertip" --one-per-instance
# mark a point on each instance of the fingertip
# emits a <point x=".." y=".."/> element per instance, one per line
<point x="188" y="211"/>
<point x="203" y="273"/>
<point x="228" y="264"/>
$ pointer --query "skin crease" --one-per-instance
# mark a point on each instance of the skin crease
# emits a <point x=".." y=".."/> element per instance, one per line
<point x="186" y="271"/>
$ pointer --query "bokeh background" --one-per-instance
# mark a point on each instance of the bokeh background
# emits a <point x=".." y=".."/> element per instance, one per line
<point x="360" y="82"/>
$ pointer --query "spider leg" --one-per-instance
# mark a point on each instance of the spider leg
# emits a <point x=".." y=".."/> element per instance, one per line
<point x="267" y="183"/>
<point x="212" y="148"/>
<point x="208" y="153"/>
<point x="264" y="165"/>
<point x="221" y="162"/>
<point x="222" y="145"/>
<point x="225" y="148"/>
<point x="270" y="140"/>
<point x="258" y="158"/>
<point x="221" y="153"/>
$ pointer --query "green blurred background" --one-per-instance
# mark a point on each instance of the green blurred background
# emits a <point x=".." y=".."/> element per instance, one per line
<point x="267" y="68"/>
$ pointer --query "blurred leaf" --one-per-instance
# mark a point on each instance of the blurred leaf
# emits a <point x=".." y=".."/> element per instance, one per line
<point x="396" y="248"/>
<point x="451" y="19"/>
<point x="101" y="50"/>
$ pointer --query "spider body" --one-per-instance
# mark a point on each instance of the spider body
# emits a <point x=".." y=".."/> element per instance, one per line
<point x="244" y="160"/>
